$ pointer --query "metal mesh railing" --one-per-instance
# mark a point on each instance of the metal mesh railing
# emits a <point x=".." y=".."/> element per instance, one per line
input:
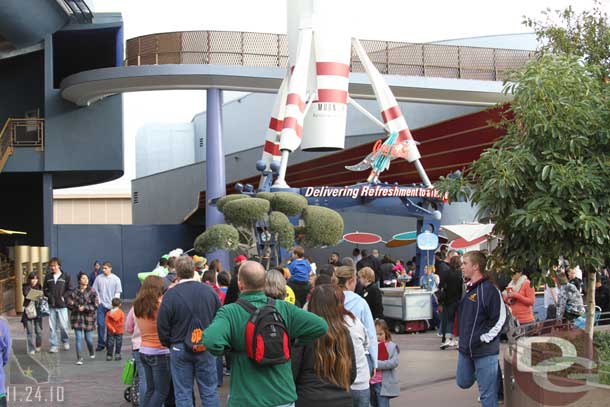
<point x="271" y="50"/>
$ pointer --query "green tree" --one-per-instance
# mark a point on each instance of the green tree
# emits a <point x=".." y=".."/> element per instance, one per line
<point x="546" y="183"/>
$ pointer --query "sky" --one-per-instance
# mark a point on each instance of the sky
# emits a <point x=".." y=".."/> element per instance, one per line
<point x="396" y="20"/>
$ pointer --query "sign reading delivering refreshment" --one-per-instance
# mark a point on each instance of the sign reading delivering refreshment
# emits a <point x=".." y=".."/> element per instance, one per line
<point x="374" y="191"/>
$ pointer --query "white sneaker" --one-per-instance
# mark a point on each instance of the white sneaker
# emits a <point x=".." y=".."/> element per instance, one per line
<point x="32" y="352"/>
<point x="53" y="349"/>
<point x="92" y="356"/>
<point x="79" y="361"/>
<point x="446" y="344"/>
<point x="454" y="343"/>
<point x="66" y="346"/>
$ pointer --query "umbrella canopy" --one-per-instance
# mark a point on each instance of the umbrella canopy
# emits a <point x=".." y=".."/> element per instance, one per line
<point x="407" y="238"/>
<point x="399" y="243"/>
<point x="362" y="238"/>
<point x="468" y="231"/>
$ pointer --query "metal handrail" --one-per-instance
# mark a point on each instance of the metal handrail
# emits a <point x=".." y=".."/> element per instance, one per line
<point x="271" y="50"/>
<point x="27" y="132"/>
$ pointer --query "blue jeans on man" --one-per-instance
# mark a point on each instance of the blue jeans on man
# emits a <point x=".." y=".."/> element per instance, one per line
<point x="186" y="366"/>
<point x="58" y="319"/>
<point x="101" y="327"/>
<point x="484" y="371"/>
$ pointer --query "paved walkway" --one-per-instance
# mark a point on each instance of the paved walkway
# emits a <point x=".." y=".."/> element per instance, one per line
<point x="427" y="375"/>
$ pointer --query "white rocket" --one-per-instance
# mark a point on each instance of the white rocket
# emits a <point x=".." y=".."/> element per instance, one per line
<point x="310" y="110"/>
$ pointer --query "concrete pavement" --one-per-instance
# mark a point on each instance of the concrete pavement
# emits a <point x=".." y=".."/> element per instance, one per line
<point x="427" y="375"/>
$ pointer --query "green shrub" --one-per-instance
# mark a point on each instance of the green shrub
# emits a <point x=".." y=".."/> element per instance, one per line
<point x="217" y="237"/>
<point x="266" y="195"/>
<point x="245" y="212"/>
<point x="280" y="224"/>
<point x="229" y="198"/>
<point x="288" y="203"/>
<point x="323" y="226"/>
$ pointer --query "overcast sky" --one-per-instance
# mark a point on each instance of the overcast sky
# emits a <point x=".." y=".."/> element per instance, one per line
<point x="398" y="20"/>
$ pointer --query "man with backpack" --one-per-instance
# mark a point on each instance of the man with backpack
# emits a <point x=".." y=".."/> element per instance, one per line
<point x="186" y="311"/>
<point x="260" y="378"/>
<point x="482" y="315"/>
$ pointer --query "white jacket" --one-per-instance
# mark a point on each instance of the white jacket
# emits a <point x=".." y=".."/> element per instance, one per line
<point x="360" y="341"/>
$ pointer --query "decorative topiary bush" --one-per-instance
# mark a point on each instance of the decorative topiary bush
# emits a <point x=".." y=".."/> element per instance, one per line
<point x="229" y="198"/>
<point x="246" y="212"/>
<point x="323" y="226"/>
<point x="266" y="195"/>
<point x="280" y="224"/>
<point x="288" y="203"/>
<point x="217" y="237"/>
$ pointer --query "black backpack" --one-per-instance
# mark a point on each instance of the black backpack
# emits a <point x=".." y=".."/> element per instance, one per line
<point x="267" y="341"/>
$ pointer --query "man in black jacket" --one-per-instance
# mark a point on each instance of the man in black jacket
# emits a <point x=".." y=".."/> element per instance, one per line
<point x="188" y="299"/>
<point x="57" y="288"/>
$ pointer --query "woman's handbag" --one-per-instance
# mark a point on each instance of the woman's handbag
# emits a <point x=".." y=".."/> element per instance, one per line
<point x="30" y="310"/>
<point x="129" y="371"/>
<point x="43" y="307"/>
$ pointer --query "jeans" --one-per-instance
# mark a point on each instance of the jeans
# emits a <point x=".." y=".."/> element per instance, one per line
<point x="114" y="342"/>
<point x="447" y="317"/>
<point x="101" y="326"/>
<point x="484" y="371"/>
<point x="88" y="339"/>
<point x="219" y="371"/>
<point x="377" y="400"/>
<point x="187" y="366"/>
<point x="33" y="326"/>
<point x="361" y="398"/>
<point x="140" y="371"/>
<point x="157" y="375"/>
<point x="58" y="318"/>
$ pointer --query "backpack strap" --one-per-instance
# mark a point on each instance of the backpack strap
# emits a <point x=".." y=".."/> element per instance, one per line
<point x="251" y="309"/>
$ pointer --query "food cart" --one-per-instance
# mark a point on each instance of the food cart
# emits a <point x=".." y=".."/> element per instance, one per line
<point x="407" y="309"/>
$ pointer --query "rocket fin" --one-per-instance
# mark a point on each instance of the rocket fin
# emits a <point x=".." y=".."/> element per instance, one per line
<point x="271" y="149"/>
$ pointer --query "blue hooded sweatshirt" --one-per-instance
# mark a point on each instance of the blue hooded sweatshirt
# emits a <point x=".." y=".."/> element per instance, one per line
<point x="481" y="317"/>
<point x="358" y="306"/>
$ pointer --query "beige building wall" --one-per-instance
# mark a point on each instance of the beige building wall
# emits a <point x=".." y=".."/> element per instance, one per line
<point x="92" y="209"/>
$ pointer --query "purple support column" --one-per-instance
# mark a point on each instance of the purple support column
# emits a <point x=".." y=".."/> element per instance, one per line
<point x="214" y="167"/>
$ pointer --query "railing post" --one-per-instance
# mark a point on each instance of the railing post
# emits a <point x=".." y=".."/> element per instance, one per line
<point x="423" y="58"/>
<point x="459" y="63"/>
<point x="495" y="66"/>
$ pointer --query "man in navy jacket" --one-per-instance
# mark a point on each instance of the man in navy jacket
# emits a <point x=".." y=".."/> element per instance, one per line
<point x="481" y="317"/>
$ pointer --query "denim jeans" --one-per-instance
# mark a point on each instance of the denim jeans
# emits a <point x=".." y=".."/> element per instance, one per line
<point x="80" y="333"/>
<point x="447" y="317"/>
<point x="361" y="398"/>
<point x="187" y="366"/>
<point x="58" y="319"/>
<point x="219" y="371"/>
<point x="157" y="375"/>
<point x="377" y="400"/>
<point x="114" y="343"/>
<point x="33" y="327"/>
<point x="484" y="371"/>
<point x="140" y="371"/>
<point x="101" y="325"/>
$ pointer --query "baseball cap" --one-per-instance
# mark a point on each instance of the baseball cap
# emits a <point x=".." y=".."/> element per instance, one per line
<point x="240" y="258"/>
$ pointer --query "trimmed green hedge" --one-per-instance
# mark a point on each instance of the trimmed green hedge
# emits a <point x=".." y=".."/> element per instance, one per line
<point x="266" y="195"/>
<point x="244" y="212"/>
<point x="288" y="203"/>
<point x="229" y="198"/>
<point x="323" y="226"/>
<point x="280" y="224"/>
<point x="217" y="237"/>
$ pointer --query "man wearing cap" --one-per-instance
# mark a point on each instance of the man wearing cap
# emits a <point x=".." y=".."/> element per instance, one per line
<point x="233" y="290"/>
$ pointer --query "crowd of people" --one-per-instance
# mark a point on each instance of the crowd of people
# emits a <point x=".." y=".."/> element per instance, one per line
<point x="195" y="323"/>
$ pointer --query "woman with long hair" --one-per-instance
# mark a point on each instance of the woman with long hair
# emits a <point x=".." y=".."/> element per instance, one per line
<point x="32" y="325"/>
<point x="83" y="304"/>
<point x="325" y="369"/>
<point x="154" y="356"/>
<point x="346" y="279"/>
<point x="520" y="297"/>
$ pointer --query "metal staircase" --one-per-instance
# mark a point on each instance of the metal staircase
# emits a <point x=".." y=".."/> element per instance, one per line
<point x="20" y="133"/>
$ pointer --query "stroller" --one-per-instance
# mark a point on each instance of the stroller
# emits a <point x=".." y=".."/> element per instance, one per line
<point x="132" y="393"/>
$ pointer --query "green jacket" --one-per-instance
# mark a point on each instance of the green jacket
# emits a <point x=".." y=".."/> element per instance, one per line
<point x="251" y="384"/>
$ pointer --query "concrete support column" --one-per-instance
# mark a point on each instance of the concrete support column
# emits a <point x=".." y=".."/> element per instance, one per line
<point x="47" y="210"/>
<point x="215" y="178"/>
